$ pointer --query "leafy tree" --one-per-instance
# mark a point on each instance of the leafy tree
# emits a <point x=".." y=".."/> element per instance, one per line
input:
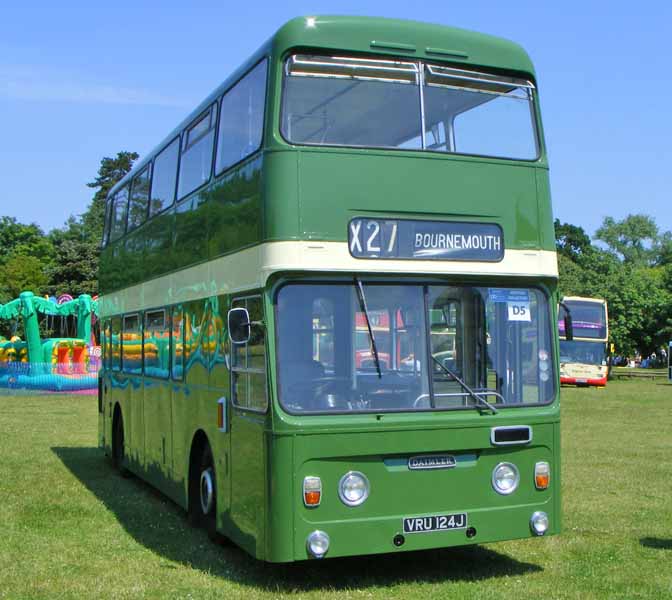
<point x="19" y="239"/>
<point x="571" y="241"/>
<point x="76" y="267"/>
<point x="638" y="303"/>
<point x="20" y="273"/>
<point x="573" y="277"/>
<point x="663" y="249"/>
<point x="634" y="238"/>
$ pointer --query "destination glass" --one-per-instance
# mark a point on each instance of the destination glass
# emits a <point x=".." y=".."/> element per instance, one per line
<point x="410" y="105"/>
<point x="436" y="348"/>
<point x="589" y="319"/>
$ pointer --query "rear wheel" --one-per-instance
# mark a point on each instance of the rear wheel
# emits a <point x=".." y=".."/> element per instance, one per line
<point x="118" y="448"/>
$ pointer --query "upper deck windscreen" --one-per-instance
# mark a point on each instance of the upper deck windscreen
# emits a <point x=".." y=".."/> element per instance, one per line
<point x="589" y="319"/>
<point x="345" y="101"/>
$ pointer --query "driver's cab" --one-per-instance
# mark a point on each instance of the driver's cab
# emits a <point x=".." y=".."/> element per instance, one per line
<point x="335" y="356"/>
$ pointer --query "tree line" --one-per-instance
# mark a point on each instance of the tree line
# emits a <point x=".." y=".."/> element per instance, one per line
<point x="628" y="262"/>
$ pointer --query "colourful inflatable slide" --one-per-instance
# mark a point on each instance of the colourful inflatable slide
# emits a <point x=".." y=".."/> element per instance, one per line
<point x="54" y="364"/>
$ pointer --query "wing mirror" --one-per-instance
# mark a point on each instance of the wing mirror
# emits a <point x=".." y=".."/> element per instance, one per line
<point x="239" y="325"/>
<point x="569" y="325"/>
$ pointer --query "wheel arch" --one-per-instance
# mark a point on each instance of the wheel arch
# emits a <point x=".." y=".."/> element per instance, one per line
<point x="118" y="454"/>
<point x="116" y="414"/>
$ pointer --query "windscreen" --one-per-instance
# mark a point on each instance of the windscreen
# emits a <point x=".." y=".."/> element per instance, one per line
<point x="346" y="101"/>
<point x="585" y="353"/>
<point x="411" y="347"/>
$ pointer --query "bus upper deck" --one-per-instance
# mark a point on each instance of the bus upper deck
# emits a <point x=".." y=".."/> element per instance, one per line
<point x="446" y="136"/>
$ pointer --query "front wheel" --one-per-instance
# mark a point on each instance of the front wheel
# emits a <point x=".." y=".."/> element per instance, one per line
<point x="203" y="505"/>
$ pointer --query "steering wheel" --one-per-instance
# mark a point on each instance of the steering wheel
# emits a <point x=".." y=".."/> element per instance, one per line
<point x="422" y="401"/>
<point x="315" y="387"/>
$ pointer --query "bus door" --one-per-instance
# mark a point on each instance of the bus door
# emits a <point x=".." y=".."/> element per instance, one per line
<point x="248" y="419"/>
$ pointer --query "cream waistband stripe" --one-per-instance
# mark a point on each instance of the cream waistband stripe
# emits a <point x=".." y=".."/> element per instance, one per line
<point x="251" y="268"/>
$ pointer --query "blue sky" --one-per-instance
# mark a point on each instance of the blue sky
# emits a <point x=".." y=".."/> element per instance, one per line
<point x="82" y="80"/>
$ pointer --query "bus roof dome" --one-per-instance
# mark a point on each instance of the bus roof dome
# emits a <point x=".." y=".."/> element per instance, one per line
<point x="403" y="38"/>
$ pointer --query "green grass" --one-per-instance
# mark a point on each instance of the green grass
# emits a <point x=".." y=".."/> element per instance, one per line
<point x="72" y="528"/>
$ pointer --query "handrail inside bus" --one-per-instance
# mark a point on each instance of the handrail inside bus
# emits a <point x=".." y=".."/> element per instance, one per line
<point x="482" y="391"/>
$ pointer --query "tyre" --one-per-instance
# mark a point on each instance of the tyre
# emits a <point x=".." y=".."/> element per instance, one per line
<point x="118" y="448"/>
<point x="203" y="501"/>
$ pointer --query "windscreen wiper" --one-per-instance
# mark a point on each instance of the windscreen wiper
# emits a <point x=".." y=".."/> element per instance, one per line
<point x="479" y="399"/>
<point x="362" y="305"/>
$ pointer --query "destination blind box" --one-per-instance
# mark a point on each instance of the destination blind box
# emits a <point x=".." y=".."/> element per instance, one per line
<point x="425" y="240"/>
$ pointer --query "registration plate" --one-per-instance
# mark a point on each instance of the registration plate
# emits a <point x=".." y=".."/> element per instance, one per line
<point x="435" y="523"/>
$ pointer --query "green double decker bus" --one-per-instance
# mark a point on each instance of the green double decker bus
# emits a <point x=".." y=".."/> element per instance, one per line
<point x="329" y="298"/>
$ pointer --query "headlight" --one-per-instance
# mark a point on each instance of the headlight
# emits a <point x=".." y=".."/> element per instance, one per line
<point x="539" y="523"/>
<point x="353" y="489"/>
<point x="317" y="543"/>
<point x="505" y="478"/>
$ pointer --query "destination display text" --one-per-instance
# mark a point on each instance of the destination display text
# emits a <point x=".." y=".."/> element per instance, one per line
<point x="425" y="240"/>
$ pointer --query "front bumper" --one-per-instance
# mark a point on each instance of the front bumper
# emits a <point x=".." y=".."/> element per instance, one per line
<point x="595" y="381"/>
<point x="376" y="535"/>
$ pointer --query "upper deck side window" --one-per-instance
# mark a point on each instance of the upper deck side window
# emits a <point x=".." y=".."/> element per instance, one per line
<point x="196" y="157"/>
<point x="242" y="118"/>
<point x="347" y="101"/>
<point x="108" y="220"/>
<point x="119" y="212"/>
<point x="139" y="199"/>
<point x="164" y="178"/>
<point x="158" y="185"/>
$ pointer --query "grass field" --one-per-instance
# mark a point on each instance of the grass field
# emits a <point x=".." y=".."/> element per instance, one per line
<point x="71" y="528"/>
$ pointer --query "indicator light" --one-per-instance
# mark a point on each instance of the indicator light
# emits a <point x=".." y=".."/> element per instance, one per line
<point x="312" y="491"/>
<point x="542" y="475"/>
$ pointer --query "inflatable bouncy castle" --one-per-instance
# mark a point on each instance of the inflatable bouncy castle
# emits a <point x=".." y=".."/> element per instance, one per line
<point x="56" y="363"/>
